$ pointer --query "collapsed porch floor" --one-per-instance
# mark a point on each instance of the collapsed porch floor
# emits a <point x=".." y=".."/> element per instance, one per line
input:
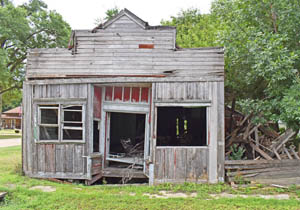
<point x="123" y="172"/>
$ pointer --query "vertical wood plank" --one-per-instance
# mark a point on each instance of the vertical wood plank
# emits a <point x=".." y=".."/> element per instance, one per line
<point x="213" y="132"/>
<point x="78" y="160"/>
<point x="181" y="162"/>
<point x="159" y="164"/>
<point x="221" y="132"/>
<point x="41" y="158"/>
<point x="69" y="151"/>
<point x="60" y="158"/>
<point x="50" y="158"/>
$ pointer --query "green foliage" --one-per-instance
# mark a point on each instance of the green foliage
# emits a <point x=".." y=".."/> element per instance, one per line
<point x="238" y="179"/>
<point x="262" y="56"/>
<point x="236" y="152"/>
<point x="24" y="27"/>
<point x="194" y="29"/>
<point x="109" y="14"/>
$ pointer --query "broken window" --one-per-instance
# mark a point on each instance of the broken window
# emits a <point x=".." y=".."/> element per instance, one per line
<point x="60" y="122"/>
<point x="48" y="124"/>
<point x="180" y="126"/>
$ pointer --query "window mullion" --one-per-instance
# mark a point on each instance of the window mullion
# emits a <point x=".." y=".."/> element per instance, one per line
<point x="60" y="119"/>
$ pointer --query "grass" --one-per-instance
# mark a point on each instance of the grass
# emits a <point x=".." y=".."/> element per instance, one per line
<point x="9" y="134"/>
<point x="77" y="196"/>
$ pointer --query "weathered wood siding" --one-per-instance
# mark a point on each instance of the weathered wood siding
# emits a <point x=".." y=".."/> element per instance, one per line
<point x="53" y="160"/>
<point x="116" y="50"/>
<point x="181" y="164"/>
<point x="147" y="62"/>
<point x="182" y="91"/>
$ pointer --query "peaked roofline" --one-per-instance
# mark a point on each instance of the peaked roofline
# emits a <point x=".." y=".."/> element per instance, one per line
<point x="123" y="12"/>
<point x="133" y="17"/>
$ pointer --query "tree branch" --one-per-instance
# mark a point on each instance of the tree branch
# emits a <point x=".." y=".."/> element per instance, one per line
<point x="10" y="88"/>
<point x="17" y="62"/>
<point x="36" y="32"/>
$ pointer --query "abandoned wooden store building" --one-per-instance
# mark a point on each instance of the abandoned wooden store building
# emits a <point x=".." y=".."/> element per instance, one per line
<point x="124" y="101"/>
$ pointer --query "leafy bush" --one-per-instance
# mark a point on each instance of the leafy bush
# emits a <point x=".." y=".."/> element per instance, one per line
<point x="236" y="152"/>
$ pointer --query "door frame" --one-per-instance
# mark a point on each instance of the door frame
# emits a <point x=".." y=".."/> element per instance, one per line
<point x="129" y="109"/>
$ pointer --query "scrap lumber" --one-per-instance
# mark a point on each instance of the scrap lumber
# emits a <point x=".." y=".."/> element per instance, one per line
<point x="269" y="154"/>
<point x="257" y="149"/>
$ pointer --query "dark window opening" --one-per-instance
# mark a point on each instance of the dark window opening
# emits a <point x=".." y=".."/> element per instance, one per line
<point x="48" y="133"/>
<point x="127" y="132"/>
<point x="48" y="124"/>
<point x="95" y="136"/>
<point x="72" y="116"/>
<point x="72" y="134"/>
<point x="49" y="116"/>
<point x="179" y="126"/>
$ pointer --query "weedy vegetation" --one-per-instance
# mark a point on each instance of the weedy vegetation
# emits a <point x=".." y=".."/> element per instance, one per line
<point x="77" y="196"/>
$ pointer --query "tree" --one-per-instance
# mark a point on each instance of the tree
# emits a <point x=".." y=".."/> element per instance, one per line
<point x="109" y="14"/>
<point x="262" y="56"/>
<point x="194" y="29"/>
<point x="24" y="27"/>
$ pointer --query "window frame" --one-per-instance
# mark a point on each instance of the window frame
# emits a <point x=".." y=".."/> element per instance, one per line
<point x="186" y="104"/>
<point x="40" y="104"/>
<point x="40" y="108"/>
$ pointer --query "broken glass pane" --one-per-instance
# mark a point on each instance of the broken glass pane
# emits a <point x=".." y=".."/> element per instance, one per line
<point x="69" y="134"/>
<point x="48" y="133"/>
<point x="49" y="116"/>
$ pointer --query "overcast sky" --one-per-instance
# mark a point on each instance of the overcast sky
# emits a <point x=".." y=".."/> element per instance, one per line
<point x="81" y="14"/>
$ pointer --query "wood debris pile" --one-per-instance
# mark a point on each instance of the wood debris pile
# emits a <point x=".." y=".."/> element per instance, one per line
<point x="258" y="141"/>
<point x="131" y="149"/>
<point x="266" y="154"/>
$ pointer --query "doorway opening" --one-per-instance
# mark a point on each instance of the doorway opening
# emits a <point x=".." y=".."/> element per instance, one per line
<point x="126" y="140"/>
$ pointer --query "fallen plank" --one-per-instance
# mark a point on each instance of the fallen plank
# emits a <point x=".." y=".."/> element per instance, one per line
<point x="254" y="171"/>
<point x="261" y="152"/>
